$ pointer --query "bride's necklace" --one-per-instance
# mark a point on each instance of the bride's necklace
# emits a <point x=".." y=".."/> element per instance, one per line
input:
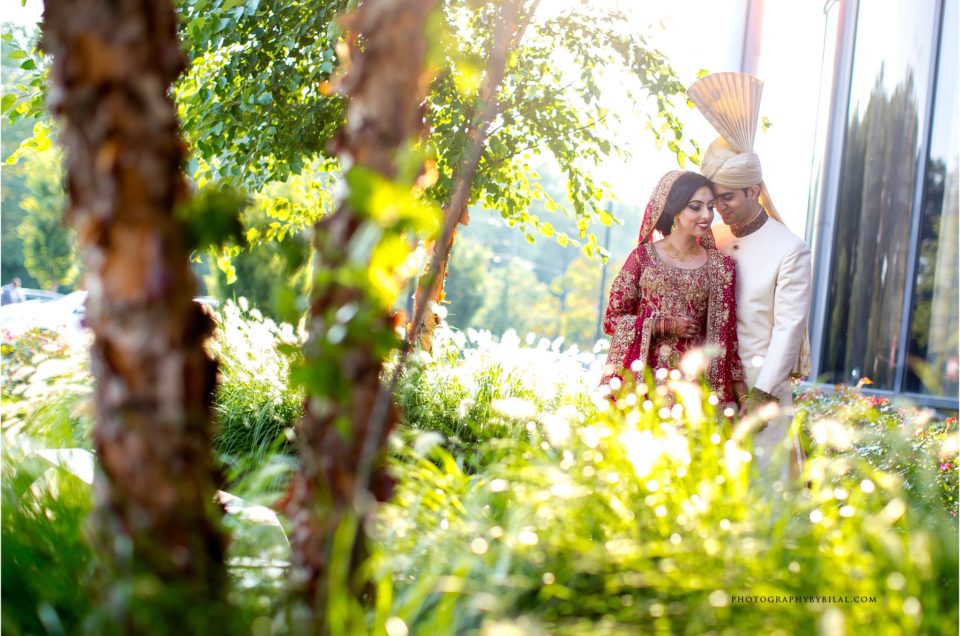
<point x="681" y="254"/>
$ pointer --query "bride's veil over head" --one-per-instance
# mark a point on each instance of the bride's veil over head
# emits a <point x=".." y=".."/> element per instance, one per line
<point x="656" y="205"/>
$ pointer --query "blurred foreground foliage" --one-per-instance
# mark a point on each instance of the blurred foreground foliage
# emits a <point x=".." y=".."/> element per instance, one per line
<point x="524" y="504"/>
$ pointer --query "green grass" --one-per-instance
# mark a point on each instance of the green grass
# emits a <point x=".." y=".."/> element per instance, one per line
<point x="46" y="554"/>
<point x="589" y="519"/>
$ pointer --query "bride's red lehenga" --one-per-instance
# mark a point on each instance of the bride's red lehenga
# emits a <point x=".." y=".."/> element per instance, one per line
<point x="648" y="288"/>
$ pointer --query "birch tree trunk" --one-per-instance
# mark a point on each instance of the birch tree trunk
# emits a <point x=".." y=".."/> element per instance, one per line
<point x="113" y="64"/>
<point x="509" y="31"/>
<point x="386" y="84"/>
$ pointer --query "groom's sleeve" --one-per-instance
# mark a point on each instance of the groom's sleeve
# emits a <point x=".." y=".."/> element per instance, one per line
<point x="791" y="305"/>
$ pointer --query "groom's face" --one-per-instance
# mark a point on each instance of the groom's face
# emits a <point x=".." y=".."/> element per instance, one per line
<point x="735" y="206"/>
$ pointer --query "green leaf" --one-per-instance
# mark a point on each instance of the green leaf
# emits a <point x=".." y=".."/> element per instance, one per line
<point x="43" y="143"/>
<point x="316" y="379"/>
<point x="389" y="204"/>
<point x="285" y="302"/>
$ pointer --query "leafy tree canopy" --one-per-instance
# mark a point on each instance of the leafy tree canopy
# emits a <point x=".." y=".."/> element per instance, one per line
<point x="253" y="102"/>
<point x="552" y="103"/>
<point x="255" y="106"/>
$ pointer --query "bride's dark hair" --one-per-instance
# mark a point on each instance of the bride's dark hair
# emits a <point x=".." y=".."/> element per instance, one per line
<point x="682" y="191"/>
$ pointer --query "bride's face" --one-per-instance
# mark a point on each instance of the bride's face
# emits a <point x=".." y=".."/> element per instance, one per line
<point x="696" y="217"/>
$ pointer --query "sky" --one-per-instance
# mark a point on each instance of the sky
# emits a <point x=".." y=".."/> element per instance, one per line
<point x="29" y="14"/>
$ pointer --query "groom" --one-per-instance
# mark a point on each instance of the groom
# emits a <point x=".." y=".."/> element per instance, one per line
<point x="773" y="264"/>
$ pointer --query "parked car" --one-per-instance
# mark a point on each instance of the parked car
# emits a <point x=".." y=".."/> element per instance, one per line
<point x="64" y="315"/>
<point x="39" y="294"/>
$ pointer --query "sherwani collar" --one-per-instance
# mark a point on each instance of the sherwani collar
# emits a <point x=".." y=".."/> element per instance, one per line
<point x="750" y="227"/>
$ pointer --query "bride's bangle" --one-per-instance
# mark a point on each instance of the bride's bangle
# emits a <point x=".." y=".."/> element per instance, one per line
<point x="666" y="325"/>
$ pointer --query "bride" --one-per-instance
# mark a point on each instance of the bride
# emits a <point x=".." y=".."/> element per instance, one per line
<point x="676" y="294"/>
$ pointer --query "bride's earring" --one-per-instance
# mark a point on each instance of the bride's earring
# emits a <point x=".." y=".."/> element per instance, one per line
<point x="675" y="227"/>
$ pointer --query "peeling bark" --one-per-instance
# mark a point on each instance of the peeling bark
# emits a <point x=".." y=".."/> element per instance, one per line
<point x="386" y="85"/>
<point x="113" y="64"/>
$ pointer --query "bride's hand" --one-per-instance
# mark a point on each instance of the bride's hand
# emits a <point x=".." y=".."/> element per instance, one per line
<point x="687" y="328"/>
<point x="676" y="326"/>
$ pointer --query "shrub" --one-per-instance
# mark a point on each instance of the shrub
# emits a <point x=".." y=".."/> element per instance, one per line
<point x="526" y="502"/>
<point x="47" y="414"/>
<point x="467" y="385"/>
<point x="46" y="557"/>
<point x="912" y="443"/>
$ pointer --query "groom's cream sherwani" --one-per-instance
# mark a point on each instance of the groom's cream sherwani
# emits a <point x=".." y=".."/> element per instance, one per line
<point x="773" y="301"/>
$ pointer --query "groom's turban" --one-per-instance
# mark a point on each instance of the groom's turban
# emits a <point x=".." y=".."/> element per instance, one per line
<point x="731" y="103"/>
<point x="723" y="164"/>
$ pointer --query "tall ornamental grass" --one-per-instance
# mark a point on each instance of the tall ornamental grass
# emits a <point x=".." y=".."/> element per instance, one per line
<point x="645" y="516"/>
<point x="255" y="405"/>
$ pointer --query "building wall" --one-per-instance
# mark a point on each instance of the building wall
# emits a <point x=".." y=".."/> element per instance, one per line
<point x="883" y="200"/>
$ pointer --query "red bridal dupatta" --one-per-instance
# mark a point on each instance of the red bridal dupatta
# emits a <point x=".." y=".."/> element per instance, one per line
<point x="648" y="288"/>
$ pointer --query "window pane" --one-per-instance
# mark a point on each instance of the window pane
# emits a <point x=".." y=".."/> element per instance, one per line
<point x="932" y="355"/>
<point x="827" y="61"/>
<point x="888" y="95"/>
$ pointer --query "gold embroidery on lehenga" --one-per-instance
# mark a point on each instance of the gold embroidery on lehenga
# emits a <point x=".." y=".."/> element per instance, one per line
<point x="704" y="294"/>
<point x="674" y="292"/>
<point x="623" y="305"/>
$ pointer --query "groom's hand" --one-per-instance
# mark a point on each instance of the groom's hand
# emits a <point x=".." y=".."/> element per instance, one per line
<point x="740" y="393"/>
<point x="756" y="400"/>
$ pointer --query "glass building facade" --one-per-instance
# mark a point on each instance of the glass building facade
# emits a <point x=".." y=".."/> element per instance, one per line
<point x="883" y="216"/>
